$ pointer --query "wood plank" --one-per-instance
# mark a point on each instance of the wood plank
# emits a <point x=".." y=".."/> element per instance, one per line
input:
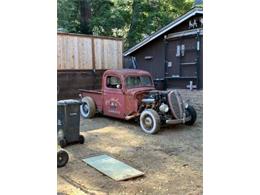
<point x="98" y="55"/>
<point x="113" y="168"/>
<point x="93" y="54"/>
<point x="68" y="58"/>
<point x="120" y="58"/>
<point x="58" y="53"/>
<point x="63" y="58"/>
<point x="102" y="55"/>
<point x="79" y="53"/>
<point x="89" y="36"/>
<point x="76" y="53"/>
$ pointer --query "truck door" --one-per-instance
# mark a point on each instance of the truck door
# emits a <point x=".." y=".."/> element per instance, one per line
<point x="113" y="97"/>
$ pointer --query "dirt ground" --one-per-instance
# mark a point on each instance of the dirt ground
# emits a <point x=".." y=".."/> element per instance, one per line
<point x="171" y="159"/>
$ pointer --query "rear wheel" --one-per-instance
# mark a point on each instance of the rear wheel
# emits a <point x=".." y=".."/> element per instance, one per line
<point x="150" y="121"/>
<point x="62" y="158"/>
<point x="190" y="111"/>
<point x="87" y="108"/>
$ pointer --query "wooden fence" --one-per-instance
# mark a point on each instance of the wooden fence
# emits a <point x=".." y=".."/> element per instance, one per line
<point x="86" y="52"/>
<point x="82" y="59"/>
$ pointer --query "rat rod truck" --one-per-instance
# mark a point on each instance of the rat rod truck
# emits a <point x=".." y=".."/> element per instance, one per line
<point x="130" y="94"/>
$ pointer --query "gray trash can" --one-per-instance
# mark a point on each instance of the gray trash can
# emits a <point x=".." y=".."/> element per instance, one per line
<point x="68" y="126"/>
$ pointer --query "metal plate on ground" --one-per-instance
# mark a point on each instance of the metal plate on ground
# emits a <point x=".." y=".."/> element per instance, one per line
<point x="113" y="168"/>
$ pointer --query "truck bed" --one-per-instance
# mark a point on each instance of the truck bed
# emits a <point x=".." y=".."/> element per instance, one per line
<point x="98" y="91"/>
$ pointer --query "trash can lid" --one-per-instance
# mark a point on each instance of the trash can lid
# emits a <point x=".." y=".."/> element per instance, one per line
<point x="67" y="102"/>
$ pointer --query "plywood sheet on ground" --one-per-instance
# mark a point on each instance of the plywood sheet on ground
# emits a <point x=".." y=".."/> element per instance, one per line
<point x="113" y="168"/>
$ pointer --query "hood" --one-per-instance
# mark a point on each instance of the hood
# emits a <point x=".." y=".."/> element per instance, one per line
<point x="140" y="90"/>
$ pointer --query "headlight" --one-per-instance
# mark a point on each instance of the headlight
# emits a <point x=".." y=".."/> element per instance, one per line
<point x="164" y="108"/>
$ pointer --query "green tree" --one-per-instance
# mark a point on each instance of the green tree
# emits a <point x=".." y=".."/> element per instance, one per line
<point x="68" y="15"/>
<point x="110" y="18"/>
<point x="149" y="16"/>
<point x="132" y="20"/>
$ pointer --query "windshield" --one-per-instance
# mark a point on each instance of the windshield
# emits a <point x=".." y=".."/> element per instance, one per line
<point x="138" y="81"/>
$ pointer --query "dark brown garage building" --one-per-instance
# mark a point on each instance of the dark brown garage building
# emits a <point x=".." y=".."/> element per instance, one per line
<point x="174" y="54"/>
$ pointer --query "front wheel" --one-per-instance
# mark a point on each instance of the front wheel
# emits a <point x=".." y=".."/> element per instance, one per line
<point x="190" y="111"/>
<point x="150" y="121"/>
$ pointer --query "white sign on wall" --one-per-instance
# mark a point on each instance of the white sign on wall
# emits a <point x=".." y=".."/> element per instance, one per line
<point x="195" y="23"/>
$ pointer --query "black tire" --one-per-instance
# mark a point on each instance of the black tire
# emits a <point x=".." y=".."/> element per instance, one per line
<point x="63" y="143"/>
<point x="150" y="121"/>
<point x="81" y="139"/>
<point x="190" y="111"/>
<point x="62" y="158"/>
<point x="88" y="107"/>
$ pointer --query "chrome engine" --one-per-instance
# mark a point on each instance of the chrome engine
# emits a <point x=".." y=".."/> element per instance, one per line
<point x="167" y="103"/>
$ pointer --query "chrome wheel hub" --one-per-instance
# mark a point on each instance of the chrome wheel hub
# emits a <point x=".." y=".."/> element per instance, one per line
<point x="148" y="122"/>
<point x="85" y="108"/>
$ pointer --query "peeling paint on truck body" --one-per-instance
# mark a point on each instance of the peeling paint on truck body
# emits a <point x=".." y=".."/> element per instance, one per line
<point x="118" y="103"/>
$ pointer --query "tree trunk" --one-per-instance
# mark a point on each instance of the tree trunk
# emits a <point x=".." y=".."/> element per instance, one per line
<point x="85" y="15"/>
<point x="133" y="26"/>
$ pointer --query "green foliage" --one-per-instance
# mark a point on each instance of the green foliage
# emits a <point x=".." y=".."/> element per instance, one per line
<point x="68" y="15"/>
<point x="109" y="18"/>
<point x="132" y="20"/>
<point x="148" y="16"/>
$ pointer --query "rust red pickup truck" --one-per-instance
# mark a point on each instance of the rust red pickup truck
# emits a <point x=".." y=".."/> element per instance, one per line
<point x="130" y="94"/>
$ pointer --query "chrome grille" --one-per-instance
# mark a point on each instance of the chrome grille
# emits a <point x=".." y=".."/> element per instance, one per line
<point x="176" y="104"/>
